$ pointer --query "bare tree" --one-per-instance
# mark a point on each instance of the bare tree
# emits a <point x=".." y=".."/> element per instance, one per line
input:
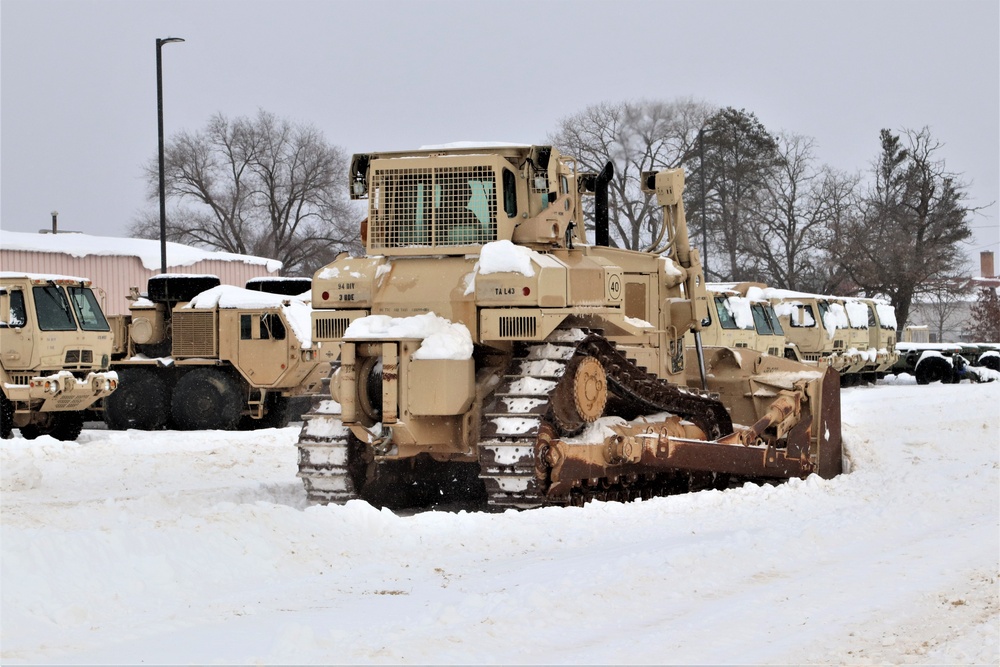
<point x="907" y="237"/>
<point x="636" y="137"/>
<point x="258" y="186"/>
<point x="799" y="204"/>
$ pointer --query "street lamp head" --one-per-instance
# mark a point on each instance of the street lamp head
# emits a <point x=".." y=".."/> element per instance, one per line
<point x="168" y="40"/>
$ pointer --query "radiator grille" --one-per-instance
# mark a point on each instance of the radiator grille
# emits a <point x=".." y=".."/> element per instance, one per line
<point x="194" y="334"/>
<point x="518" y="327"/>
<point x="78" y="357"/>
<point x="432" y="207"/>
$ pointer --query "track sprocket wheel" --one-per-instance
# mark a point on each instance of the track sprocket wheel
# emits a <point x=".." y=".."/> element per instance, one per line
<point x="581" y="396"/>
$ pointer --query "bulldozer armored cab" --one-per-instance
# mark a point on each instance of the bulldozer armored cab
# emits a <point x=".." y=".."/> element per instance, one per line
<point x="488" y="353"/>
<point x="55" y="349"/>
<point x="194" y="355"/>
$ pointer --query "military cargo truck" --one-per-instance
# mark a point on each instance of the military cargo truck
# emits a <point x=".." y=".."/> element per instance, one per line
<point x="55" y="352"/>
<point x="194" y="354"/>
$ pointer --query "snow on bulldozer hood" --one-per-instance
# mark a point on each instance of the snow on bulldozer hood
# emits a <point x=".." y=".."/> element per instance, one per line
<point x="442" y="339"/>
<point x="297" y="312"/>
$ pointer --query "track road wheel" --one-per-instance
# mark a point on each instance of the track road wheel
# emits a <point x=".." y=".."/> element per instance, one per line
<point x="206" y="399"/>
<point x="141" y="401"/>
<point x="6" y="418"/>
<point x="934" y="369"/>
<point x="66" y="426"/>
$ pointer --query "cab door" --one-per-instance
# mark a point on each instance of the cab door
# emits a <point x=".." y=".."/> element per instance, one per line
<point x="263" y="348"/>
<point x="16" y="329"/>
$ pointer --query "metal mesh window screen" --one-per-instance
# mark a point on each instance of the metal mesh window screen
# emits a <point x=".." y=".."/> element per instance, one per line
<point x="432" y="207"/>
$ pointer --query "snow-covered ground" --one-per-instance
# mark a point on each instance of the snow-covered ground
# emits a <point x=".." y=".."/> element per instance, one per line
<point x="131" y="547"/>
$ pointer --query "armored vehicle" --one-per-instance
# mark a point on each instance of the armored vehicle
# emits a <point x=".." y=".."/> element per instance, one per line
<point x="194" y="354"/>
<point x="487" y="352"/>
<point x="55" y="351"/>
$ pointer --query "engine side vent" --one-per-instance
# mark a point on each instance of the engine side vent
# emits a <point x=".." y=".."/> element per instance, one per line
<point x="194" y="334"/>
<point x="330" y="328"/>
<point x="518" y="327"/>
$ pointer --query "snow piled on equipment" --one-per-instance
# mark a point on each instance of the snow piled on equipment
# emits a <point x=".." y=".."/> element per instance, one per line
<point x="442" y="339"/>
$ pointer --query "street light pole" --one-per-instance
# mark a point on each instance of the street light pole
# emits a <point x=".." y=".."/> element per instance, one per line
<point x="159" y="122"/>
<point x="704" y="226"/>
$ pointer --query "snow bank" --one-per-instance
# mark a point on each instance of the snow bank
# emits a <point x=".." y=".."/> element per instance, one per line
<point x="199" y="548"/>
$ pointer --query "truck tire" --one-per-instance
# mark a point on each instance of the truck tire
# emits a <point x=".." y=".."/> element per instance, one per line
<point x="277" y="413"/>
<point x="206" y="399"/>
<point x="66" y="426"/>
<point x="991" y="362"/>
<point x="139" y="402"/>
<point x="934" y="369"/>
<point x="32" y="431"/>
<point x="174" y="288"/>
<point x="6" y="418"/>
<point x="283" y="286"/>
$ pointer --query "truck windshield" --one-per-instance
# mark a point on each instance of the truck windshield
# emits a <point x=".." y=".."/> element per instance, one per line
<point x="88" y="311"/>
<point x="52" y="309"/>
<point x="761" y="321"/>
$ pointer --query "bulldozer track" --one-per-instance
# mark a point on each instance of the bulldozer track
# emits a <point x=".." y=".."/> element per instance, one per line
<point x="518" y="422"/>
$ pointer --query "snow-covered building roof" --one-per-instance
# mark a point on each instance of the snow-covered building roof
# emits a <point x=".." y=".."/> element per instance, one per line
<point x="116" y="264"/>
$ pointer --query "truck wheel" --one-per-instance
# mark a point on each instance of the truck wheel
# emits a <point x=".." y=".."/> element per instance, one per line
<point x="31" y="431"/>
<point x="934" y="369"/>
<point x="139" y="402"/>
<point x="991" y="362"/>
<point x="6" y="418"/>
<point x="206" y="399"/>
<point x="67" y="426"/>
<point x="277" y="414"/>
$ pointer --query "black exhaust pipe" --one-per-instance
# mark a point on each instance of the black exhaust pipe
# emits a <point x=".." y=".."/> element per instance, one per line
<point x="602" y="235"/>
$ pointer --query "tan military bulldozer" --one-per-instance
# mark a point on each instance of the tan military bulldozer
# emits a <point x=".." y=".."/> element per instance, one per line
<point x="489" y="354"/>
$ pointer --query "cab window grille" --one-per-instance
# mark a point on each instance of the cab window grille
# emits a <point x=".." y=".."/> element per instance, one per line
<point x="432" y="207"/>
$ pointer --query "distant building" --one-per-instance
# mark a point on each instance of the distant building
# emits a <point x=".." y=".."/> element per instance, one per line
<point x="116" y="264"/>
<point x="947" y="318"/>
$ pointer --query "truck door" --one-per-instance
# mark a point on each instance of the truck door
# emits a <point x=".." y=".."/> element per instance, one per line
<point x="16" y="331"/>
<point x="263" y="348"/>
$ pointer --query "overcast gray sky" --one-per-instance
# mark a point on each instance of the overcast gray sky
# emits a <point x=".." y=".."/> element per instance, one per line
<point x="78" y="80"/>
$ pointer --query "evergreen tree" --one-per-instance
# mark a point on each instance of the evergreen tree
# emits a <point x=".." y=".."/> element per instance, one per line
<point x="984" y="325"/>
